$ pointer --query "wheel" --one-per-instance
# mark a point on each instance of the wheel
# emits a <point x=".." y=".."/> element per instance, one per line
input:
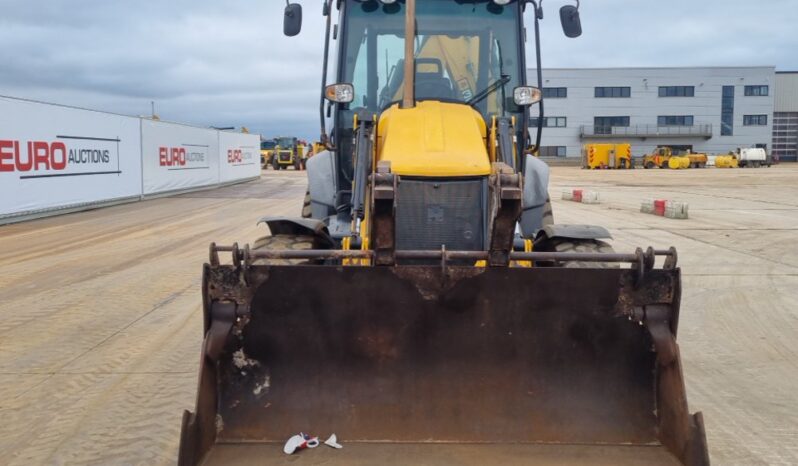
<point x="278" y="242"/>
<point x="583" y="246"/>
<point x="275" y="164"/>
<point x="307" y="211"/>
<point x="648" y="165"/>
<point x="664" y="165"/>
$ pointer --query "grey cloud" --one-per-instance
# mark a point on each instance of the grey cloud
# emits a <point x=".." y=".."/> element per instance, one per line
<point x="227" y="63"/>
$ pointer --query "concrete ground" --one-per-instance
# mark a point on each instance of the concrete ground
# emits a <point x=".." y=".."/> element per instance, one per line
<point x="100" y="322"/>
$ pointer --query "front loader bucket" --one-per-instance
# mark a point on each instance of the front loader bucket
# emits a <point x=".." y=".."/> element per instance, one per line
<point x="442" y="365"/>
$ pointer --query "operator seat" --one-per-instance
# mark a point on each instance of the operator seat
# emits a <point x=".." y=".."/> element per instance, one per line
<point x="430" y="81"/>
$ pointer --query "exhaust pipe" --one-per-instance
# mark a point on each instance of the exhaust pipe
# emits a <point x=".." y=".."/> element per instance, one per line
<point x="409" y="94"/>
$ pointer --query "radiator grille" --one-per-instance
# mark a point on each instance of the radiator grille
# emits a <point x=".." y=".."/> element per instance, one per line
<point x="432" y="213"/>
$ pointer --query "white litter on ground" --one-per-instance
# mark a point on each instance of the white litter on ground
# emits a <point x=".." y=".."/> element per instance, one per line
<point x="333" y="442"/>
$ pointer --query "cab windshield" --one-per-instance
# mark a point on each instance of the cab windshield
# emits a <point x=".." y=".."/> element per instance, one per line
<point x="463" y="49"/>
<point x="285" y="142"/>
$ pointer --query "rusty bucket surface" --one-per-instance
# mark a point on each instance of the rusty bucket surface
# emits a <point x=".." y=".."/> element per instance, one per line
<point x="430" y="365"/>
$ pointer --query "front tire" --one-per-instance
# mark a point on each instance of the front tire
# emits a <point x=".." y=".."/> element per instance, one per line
<point x="282" y="242"/>
<point x="307" y="210"/>
<point x="580" y="246"/>
<point x="548" y="214"/>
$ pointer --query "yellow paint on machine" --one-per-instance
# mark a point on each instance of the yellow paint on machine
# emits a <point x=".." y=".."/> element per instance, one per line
<point x="607" y="156"/>
<point x="435" y="139"/>
<point x="726" y="161"/>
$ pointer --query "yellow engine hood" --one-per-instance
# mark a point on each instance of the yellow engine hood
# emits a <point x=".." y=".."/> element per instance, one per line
<point x="433" y="139"/>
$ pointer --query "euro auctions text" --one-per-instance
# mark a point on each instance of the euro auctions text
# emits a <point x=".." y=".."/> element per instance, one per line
<point x="73" y="155"/>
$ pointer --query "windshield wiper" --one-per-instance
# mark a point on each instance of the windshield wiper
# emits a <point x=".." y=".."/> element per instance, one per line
<point x="481" y="95"/>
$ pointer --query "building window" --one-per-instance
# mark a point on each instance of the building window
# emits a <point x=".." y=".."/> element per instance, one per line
<point x="677" y="91"/>
<point x="550" y="122"/>
<point x="604" y="124"/>
<point x="613" y="92"/>
<point x="555" y="92"/>
<point x="755" y="120"/>
<point x="675" y="120"/>
<point x="727" y="111"/>
<point x="756" y="91"/>
<point x="552" y="151"/>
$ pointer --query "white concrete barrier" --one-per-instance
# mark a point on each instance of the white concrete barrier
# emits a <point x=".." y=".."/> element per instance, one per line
<point x="581" y="195"/>
<point x="665" y="208"/>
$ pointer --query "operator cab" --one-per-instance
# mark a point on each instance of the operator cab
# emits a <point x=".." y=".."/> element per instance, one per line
<point x="465" y="52"/>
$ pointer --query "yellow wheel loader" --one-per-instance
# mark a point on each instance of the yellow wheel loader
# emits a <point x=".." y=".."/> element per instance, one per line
<point x="288" y="153"/>
<point x="426" y="308"/>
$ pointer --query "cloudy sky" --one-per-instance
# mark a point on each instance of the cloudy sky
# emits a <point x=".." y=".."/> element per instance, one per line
<point x="226" y="63"/>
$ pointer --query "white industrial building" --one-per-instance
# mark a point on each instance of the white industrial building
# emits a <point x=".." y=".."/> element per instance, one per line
<point x="709" y="109"/>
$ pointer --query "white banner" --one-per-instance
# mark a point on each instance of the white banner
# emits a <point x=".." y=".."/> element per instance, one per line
<point x="178" y="157"/>
<point x="239" y="156"/>
<point x="53" y="156"/>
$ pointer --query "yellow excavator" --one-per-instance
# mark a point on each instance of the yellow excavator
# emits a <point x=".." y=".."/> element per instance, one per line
<point x="425" y="307"/>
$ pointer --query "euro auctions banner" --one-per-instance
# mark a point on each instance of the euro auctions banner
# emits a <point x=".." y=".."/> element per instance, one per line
<point x="177" y="157"/>
<point x="55" y="157"/>
<point x="239" y="156"/>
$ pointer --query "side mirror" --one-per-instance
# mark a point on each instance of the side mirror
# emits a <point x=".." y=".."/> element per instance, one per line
<point x="292" y="19"/>
<point x="569" y="17"/>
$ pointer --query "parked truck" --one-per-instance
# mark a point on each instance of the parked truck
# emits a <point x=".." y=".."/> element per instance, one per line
<point x="661" y="156"/>
<point x="752" y="157"/>
<point x="607" y="156"/>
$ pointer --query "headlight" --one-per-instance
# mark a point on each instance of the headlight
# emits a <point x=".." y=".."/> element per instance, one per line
<point x="341" y="93"/>
<point x="387" y="2"/>
<point x="526" y="95"/>
<point x="501" y="2"/>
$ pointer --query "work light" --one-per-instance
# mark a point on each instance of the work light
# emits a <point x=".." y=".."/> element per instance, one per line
<point x="526" y="95"/>
<point x="343" y="93"/>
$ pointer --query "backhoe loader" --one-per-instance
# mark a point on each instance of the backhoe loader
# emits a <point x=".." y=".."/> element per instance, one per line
<point x="426" y="308"/>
